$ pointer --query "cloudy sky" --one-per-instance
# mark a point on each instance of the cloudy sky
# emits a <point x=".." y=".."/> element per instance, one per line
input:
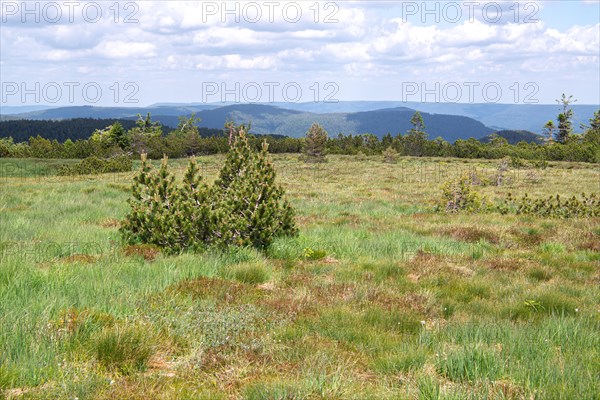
<point x="145" y="52"/>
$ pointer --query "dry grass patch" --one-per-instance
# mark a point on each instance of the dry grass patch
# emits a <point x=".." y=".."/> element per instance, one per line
<point x="348" y="219"/>
<point x="529" y="236"/>
<point x="592" y="244"/>
<point x="224" y="291"/>
<point x="390" y="299"/>
<point x="146" y="251"/>
<point x="471" y="234"/>
<point x="110" y="223"/>
<point x="79" y="258"/>
<point x="425" y="264"/>
<point x="505" y="264"/>
<point x="306" y="298"/>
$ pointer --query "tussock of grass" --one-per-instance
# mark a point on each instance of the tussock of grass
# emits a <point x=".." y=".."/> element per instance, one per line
<point x="405" y="359"/>
<point x="469" y="364"/>
<point x="252" y="274"/>
<point x="122" y="349"/>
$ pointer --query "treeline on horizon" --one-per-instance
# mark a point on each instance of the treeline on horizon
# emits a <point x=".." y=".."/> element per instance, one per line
<point x="147" y="136"/>
<point x="20" y="130"/>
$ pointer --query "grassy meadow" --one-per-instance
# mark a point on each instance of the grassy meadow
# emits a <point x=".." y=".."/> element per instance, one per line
<point x="378" y="298"/>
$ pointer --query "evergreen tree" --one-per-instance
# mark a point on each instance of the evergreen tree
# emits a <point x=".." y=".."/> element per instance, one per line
<point x="416" y="139"/>
<point x="417" y="122"/>
<point x="595" y="121"/>
<point x="497" y="140"/>
<point x="315" y="141"/>
<point x="117" y="136"/>
<point x="565" y="126"/>
<point x="387" y="141"/>
<point x="194" y="212"/>
<point x="188" y="135"/>
<point x="145" y="136"/>
<point x="252" y="206"/>
<point x="549" y="131"/>
<point x="151" y="219"/>
<point x="591" y="137"/>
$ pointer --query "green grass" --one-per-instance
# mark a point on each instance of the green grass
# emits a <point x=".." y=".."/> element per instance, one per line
<point x="123" y="350"/>
<point x="378" y="298"/>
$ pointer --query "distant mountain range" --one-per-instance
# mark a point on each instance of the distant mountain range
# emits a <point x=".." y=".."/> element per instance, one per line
<point x="451" y="121"/>
<point x="530" y="117"/>
<point x="269" y="119"/>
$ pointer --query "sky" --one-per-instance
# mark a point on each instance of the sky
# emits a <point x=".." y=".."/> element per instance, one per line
<point x="137" y="53"/>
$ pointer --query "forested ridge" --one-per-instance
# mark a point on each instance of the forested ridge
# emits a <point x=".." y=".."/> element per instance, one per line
<point x="76" y="128"/>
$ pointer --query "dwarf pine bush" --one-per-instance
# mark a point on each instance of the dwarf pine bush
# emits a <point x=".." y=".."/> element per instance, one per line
<point x="244" y="207"/>
<point x="553" y="206"/>
<point x="252" y="209"/>
<point x="390" y="155"/>
<point x="94" y="165"/>
<point x="459" y="195"/>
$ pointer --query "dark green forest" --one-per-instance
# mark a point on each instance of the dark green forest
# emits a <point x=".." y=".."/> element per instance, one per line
<point x="77" y="128"/>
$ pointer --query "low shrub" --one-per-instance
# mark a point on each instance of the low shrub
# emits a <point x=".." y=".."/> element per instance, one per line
<point x="516" y="162"/>
<point x="245" y="207"/>
<point x="459" y="195"/>
<point x="553" y="206"/>
<point x="360" y="156"/>
<point x="94" y="165"/>
<point x="390" y="155"/>
<point x="539" y="164"/>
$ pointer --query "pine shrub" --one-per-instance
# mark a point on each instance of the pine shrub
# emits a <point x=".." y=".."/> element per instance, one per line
<point x="540" y="164"/>
<point x="459" y="195"/>
<point x="517" y="163"/>
<point x="390" y="155"/>
<point x="245" y="207"/>
<point x="553" y="206"/>
<point x="252" y="208"/>
<point x="360" y="156"/>
<point x="94" y="165"/>
<point x="500" y="178"/>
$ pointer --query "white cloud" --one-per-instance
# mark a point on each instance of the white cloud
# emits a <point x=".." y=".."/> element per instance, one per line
<point x="125" y="50"/>
<point x="234" y="62"/>
<point x="174" y="38"/>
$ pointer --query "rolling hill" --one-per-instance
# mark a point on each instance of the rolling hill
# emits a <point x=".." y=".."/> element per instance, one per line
<point x="514" y="137"/>
<point x="530" y="117"/>
<point x="269" y="119"/>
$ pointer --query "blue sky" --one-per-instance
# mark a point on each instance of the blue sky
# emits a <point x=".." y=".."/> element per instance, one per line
<point x="139" y="53"/>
